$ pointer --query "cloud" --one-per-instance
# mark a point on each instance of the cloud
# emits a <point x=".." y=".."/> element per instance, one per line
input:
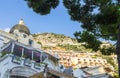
<point x="6" y="29"/>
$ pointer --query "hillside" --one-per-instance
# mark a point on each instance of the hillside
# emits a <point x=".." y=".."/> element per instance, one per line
<point x="64" y="44"/>
<point x="52" y="39"/>
<point x="61" y="42"/>
<point x="58" y="42"/>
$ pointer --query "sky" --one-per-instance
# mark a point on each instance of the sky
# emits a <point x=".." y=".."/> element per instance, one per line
<point x="58" y="21"/>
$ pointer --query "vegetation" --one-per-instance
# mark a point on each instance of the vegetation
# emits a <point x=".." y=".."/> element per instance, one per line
<point x="89" y="38"/>
<point x="35" y="35"/>
<point x="39" y="42"/>
<point x="3" y="53"/>
<point x="84" y="36"/>
<point x="46" y="47"/>
<point x="116" y="76"/>
<point x="52" y="34"/>
<point x="75" y="48"/>
<point x="42" y="6"/>
<point x="111" y="61"/>
<point x="108" y="50"/>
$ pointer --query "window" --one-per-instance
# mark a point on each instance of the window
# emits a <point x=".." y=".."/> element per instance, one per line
<point x="64" y="58"/>
<point x="30" y="42"/>
<point x="16" y="35"/>
<point x="24" y="35"/>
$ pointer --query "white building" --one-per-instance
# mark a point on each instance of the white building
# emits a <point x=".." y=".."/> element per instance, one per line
<point x="20" y="55"/>
<point x="19" y="33"/>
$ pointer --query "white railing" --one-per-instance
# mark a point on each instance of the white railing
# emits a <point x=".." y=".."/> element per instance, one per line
<point x="7" y="35"/>
<point x="28" y="62"/>
<point x="16" y="59"/>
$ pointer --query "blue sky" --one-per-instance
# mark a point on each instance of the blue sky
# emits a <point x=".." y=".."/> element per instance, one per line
<point x="58" y="21"/>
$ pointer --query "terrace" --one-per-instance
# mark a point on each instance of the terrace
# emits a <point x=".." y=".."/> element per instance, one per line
<point x="24" y="55"/>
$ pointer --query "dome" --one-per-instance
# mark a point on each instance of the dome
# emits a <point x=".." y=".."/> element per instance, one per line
<point x="20" y="27"/>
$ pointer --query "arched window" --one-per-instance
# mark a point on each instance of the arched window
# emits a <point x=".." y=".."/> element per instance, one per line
<point x="24" y="35"/>
<point x="30" y="42"/>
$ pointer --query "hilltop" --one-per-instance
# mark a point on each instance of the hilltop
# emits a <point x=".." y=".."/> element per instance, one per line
<point x="58" y="42"/>
<point x="52" y="39"/>
<point x="61" y="42"/>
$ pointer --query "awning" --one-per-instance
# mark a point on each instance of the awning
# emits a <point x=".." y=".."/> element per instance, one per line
<point x="22" y="71"/>
<point x="39" y="75"/>
<point x="59" y="74"/>
<point x="53" y="72"/>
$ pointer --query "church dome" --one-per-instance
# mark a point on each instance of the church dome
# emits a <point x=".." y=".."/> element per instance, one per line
<point x="20" y="27"/>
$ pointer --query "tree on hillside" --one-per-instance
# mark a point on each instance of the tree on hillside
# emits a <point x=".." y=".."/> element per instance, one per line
<point x="89" y="38"/>
<point x="100" y="18"/>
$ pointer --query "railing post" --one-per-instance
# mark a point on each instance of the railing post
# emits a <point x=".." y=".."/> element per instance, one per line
<point x="22" y="52"/>
<point x="13" y="45"/>
<point x="32" y="54"/>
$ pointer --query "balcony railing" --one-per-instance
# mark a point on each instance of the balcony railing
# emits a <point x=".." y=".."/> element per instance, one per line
<point x="16" y="59"/>
<point x="28" y="62"/>
<point x="37" y="66"/>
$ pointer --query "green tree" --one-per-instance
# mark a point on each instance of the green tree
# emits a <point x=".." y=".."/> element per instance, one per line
<point x="89" y="38"/>
<point x="107" y="50"/>
<point x="99" y="17"/>
<point x="77" y="36"/>
<point x="42" y="7"/>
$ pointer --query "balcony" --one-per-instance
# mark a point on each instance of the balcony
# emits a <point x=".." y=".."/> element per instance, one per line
<point x="16" y="59"/>
<point x="39" y="65"/>
<point x="27" y="62"/>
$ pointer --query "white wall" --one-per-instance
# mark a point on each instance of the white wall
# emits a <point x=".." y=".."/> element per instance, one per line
<point x="52" y="65"/>
<point x="78" y="73"/>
